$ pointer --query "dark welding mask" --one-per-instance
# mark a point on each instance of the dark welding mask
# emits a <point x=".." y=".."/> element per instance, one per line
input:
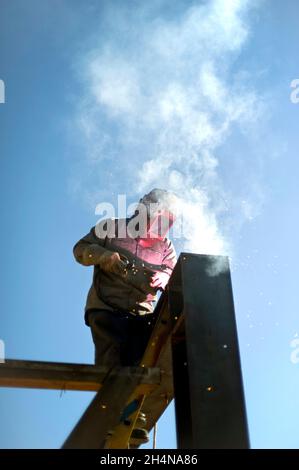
<point x="159" y="208"/>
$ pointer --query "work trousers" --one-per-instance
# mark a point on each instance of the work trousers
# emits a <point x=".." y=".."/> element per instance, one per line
<point x="120" y="338"/>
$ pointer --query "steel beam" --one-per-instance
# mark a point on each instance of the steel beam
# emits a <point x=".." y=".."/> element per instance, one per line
<point x="208" y="390"/>
<point x="66" y="376"/>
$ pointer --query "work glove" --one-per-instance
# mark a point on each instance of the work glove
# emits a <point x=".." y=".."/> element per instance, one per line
<point x="146" y="279"/>
<point x="159" y="280"/>
<point x="111" y="262"/>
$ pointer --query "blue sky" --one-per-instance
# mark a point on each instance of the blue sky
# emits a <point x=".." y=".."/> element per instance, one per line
<point x="107" y="98"/>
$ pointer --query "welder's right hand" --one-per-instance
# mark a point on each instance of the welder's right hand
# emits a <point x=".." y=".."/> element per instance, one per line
<point x="111" y="262"/>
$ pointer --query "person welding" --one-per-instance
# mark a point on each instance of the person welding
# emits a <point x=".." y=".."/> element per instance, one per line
<point x="133" y="259"/>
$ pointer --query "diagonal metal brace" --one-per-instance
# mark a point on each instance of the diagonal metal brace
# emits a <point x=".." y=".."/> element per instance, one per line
<point x="105" y="411"/>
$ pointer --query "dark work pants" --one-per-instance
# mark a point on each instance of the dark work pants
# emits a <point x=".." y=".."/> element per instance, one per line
<point x="120" y="338"/>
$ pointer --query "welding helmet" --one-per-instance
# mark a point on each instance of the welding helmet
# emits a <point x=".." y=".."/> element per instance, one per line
<point x="160" y="208"/>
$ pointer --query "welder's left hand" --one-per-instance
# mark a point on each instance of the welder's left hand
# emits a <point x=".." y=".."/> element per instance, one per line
<point x="159" y="280"/>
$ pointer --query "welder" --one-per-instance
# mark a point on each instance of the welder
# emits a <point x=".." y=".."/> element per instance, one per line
<point x="133" y="259"/>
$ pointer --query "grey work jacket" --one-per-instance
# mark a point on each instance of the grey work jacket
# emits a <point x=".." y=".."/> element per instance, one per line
<point x="111" y="291"/>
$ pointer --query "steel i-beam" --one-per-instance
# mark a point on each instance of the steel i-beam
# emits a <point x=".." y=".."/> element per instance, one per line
<point x="208" y="390"/>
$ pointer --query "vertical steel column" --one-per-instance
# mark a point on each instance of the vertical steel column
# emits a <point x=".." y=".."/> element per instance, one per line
<point x="208" y="390"/>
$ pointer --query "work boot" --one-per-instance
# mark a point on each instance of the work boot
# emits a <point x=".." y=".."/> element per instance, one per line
<point x="139" y="436"/>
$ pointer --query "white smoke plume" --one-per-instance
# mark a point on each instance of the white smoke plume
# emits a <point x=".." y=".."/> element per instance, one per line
<point x="158" y="107"/>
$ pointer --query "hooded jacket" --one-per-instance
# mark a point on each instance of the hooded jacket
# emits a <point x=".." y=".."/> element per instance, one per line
<point x="131" y="293"/>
